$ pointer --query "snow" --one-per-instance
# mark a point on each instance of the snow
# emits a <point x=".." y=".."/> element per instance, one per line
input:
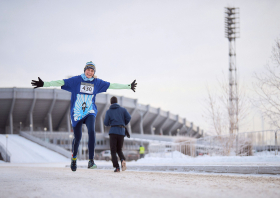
<point x="177" y="158"/>
<point x="63" y="183"/>
<point x="48" y="176"/>
<point x="26" y="151"/>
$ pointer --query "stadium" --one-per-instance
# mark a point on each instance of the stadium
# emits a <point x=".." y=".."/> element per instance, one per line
<point x="44" y="113"/>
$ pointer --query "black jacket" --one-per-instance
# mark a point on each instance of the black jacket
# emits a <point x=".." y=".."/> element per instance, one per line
<point x="117" y="115"/>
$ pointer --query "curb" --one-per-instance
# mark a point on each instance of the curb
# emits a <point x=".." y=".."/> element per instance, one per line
<point x="273" y="170"/>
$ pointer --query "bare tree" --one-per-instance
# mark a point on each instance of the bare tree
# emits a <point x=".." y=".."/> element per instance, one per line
<point x="215" y="114"/>
<point x="218" y="115"/>
<point x="267" y="88"/>
<point x="219" y="111"/>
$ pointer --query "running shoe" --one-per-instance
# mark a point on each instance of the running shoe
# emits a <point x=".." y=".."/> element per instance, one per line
<point x="123" y="165"/>
<point x="117" y="170"/>
<point x="91" y="164"/>
<point x="73" y="164"/>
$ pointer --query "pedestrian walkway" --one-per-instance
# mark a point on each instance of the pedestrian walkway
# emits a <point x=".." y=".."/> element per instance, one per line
<point x="239" y="169"/>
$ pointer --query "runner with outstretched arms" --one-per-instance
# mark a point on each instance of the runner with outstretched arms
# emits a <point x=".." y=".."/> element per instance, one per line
<point x="83" y="110"/>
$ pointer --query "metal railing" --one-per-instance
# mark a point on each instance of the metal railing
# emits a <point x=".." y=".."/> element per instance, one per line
<point x="6" y="155"/>
<point x="65" y="139"/>
<point x="46" y="144"/>
<point x="241" y="144"/>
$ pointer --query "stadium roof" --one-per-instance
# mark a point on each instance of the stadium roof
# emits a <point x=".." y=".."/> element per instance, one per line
<point x="29" y="109"/>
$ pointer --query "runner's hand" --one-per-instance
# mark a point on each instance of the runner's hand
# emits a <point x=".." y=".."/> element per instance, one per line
<point x="39" y="83"/>
<point x="133" y="85"/>
<point x="127" y="133"/>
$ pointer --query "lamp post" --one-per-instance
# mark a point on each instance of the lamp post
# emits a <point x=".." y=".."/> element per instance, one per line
<point x="141" y="119"/>
<point x="31" y="128"/>
<point x="70" y="137"/>
<point x="84" y="152"/>
<point x="45" y="129"/>
<point x="154" y="130"/>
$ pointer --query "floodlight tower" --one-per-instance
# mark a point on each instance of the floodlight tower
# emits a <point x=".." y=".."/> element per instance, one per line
<point x="232" y="32"/>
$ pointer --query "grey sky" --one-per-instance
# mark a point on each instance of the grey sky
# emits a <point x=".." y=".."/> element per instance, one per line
<point x="172" y="48"/>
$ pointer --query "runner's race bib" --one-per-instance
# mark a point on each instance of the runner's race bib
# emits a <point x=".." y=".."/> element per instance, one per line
<point x="86" y="88"/>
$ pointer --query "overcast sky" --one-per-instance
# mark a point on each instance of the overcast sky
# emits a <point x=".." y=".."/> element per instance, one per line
<point x="173" y="48"/>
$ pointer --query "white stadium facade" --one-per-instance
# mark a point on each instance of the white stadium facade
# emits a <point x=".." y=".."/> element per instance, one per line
<point x="47" y="112"/>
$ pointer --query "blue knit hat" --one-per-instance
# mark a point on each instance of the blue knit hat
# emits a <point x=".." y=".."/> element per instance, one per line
<point x="90" y="65"/>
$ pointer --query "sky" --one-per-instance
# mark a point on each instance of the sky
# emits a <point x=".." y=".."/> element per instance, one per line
<point x="174" y="49"/>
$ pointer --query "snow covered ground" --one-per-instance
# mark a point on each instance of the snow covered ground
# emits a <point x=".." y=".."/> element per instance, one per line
<point x="176" y="158"/>
<point x="63" y="183"/>
<point x="38" y="172"/>
<point x="25" y="151"/>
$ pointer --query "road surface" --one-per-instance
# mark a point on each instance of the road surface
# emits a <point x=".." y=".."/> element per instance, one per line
<point x="19" y="181"/>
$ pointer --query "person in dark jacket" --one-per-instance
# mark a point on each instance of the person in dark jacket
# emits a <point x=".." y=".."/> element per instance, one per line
<point x="117" y="117"/>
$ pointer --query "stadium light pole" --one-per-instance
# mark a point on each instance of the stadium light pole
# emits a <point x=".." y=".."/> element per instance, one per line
<point x="231" y="33"/>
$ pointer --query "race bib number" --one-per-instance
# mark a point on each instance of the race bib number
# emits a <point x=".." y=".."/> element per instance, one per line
<point x="86" y="88"/>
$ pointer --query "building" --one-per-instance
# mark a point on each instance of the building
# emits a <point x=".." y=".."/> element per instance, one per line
<point x="47" y="110"/>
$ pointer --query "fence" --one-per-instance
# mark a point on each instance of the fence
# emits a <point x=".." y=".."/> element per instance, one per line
<point x="241" y="144"/>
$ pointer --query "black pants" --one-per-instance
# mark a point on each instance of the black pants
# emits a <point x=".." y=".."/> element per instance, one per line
<point x="116" y="144"/>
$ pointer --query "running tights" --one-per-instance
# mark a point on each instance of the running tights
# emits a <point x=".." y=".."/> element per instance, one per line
<point x="90" y="123"/>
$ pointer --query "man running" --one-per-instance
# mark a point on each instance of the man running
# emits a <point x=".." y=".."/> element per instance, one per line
<point x="117" y="117"/>
<point x="84" y="89"/>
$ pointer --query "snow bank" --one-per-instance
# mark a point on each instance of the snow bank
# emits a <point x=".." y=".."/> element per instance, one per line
<point x="25" y="151"/>
<point x="177" y="158"/>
